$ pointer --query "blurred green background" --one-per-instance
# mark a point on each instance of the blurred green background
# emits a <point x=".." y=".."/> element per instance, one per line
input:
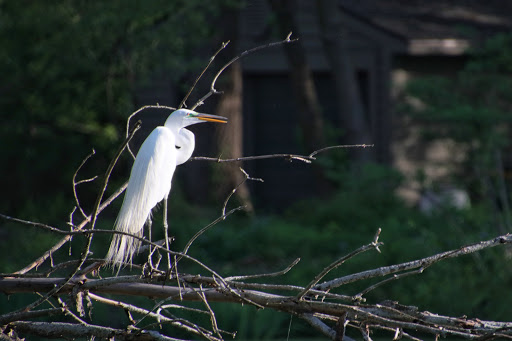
<point x="70" y="73"/>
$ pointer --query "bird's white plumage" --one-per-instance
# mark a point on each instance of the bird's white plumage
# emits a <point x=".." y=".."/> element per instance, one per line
<point x="186" y="143"/>
<point x="150" y="179"/>
<point x="150" y="183"/>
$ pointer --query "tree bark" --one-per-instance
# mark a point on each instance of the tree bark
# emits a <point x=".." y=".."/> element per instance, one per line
<point x="230" y="136"/>
<point x="349" y="99"/>
<point x="310" y="113"/>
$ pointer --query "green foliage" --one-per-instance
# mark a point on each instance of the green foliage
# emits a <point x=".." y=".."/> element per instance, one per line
<point x="473" y="108"/>
<point x="70" y="71"/>
<point x="320" y="231"/>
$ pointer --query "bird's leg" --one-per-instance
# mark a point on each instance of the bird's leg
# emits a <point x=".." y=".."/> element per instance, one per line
<point x="166" y="236"/>
<point x="149" y="223"/>
<point x="152" y="250"/>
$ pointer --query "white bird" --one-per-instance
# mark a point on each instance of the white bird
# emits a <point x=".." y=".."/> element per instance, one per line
<point x="150" y="180"/>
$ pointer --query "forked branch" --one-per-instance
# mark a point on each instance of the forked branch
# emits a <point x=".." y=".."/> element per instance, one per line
<point x="324" y="310"/>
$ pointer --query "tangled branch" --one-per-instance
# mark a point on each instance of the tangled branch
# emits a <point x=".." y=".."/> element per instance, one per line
<point x="322" y="308"/>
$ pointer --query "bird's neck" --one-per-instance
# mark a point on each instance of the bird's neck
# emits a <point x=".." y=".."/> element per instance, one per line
<point x="185" y="144"/>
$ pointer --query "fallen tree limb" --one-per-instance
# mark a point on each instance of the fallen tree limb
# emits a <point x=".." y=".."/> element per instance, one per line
<point x="317" y="306"/>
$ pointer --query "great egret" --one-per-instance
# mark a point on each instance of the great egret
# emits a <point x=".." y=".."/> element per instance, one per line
<point x="150" y="179"/>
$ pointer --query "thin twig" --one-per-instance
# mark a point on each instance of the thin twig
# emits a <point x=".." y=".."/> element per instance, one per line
<point x="265" y="286"/>
<point x="158" y="106"/>
<point x="207" y="227"/>
<point x="391" y="316"/>
<point x="181" y="307"/>
<point x="419" y="263"/>
<point x="394" y="277"/>
<point x="136" y="127"/>
<point x="40" y="260"/>
<point x="142" y="239"/>
<point x="69" y="313"/>
<point x="194" y="330"/>
<point x="72" y="331"/>
<point x="75" y="183"/>
<point x="86" y="251"/>
<point x="312" y="155"/>
<point x="246" y="177"/>
<point x="59" y="244"/>
<point x="68" y="236"/>
<point x="235" y="292"/>
<point x="316" y="323"/>
<point x="365" y="331"/>
<point x="241" y="55"/>
<point x="25" y="315"/>
<point x="398" y="333"/>
<point x="213" y="320"/>
<point x="272" y="274"/>
<point x="373" y="245"/>
<point x="290" y="157"/>
<point x="212" y="58"/>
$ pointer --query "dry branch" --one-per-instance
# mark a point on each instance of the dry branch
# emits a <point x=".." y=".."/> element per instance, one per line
<point x="417" y="264"/>
<point x="319" y="308"/>
<point x="70" y="330"/>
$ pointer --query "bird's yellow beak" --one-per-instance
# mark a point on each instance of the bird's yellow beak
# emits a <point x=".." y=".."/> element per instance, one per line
<point x="212" y="118"/>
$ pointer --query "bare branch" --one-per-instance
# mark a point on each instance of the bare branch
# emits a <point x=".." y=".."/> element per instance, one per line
<point x="86" y="251"/>
<point x="266" y="286"/>
<point x="365" y="331"/>
<point x="319" y="325"/>
<point x="109" y="171"/>
<point x="241" y="55"/>
<point x="272" y="274"/>
<point x="360" y="295"/>
<point x="213" y="320"/>
<point x="75" y="183"/>
<point x="373" y="245"/>
<point x="175" y="322"/>
<point x="61" y="242"/>
<point x="40" y="260"/>
<point x="246" y="177"/>
<point x="57" y="329"/>
<point x="223" y="46"/>
<point x="128" y="130"/>
<point x="207" y="227"/>
<point x="312" y="155"/>
<point x="290" y="157"/>
<point x="416" y="264"/>
<point x="388" y="314"/>
<point x="16" y="316"/>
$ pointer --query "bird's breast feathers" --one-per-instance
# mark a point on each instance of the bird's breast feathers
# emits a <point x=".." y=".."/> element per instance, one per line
<point x="155" y="165"/>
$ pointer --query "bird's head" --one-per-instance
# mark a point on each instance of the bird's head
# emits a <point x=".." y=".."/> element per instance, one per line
<point x="183" y="117"/>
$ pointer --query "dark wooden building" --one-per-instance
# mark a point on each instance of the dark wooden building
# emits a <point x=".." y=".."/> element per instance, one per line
<point x="387" y="41"/>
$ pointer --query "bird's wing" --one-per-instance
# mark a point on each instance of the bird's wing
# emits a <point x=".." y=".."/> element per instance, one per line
<point x="150" y="182"/>
<point x="153" y="169"/>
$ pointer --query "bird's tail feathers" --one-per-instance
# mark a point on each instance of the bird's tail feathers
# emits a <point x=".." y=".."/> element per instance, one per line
<point x="123" y="247"/>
